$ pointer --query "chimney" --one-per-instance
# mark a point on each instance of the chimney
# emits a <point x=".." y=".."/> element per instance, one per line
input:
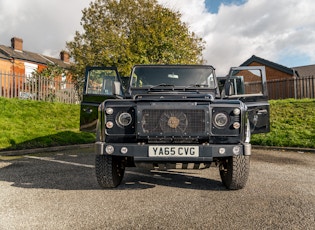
<point x="64" y="56"/>
<point x="17" y="44"/>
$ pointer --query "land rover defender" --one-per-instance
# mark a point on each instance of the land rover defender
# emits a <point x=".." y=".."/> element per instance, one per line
<point x="174" y="116"/>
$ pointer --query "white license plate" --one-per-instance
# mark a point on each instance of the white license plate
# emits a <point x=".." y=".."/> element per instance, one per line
<point x="173" y="151"/>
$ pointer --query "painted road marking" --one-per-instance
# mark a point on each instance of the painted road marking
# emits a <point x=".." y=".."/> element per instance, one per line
<point x="61" y="162"/>
<point x="92" y="166"/>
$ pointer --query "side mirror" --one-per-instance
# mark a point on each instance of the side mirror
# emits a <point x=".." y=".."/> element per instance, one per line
<point x="116" y="88"/>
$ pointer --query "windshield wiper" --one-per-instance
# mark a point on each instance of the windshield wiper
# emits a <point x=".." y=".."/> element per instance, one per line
<point x="163" y="85"/>
<point x="197" y="85"/>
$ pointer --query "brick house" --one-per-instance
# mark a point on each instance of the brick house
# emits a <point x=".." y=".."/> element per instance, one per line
<point x="15" y="60"/>
<point x="274" y="71"/>
<point x="285" y="82"/>
<point x="17" y="66"/>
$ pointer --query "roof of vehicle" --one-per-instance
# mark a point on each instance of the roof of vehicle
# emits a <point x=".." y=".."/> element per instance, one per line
<point x="175" y="65"/>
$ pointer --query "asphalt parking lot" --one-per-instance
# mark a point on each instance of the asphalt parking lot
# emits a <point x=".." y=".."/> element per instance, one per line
<point x="58" y="190"/>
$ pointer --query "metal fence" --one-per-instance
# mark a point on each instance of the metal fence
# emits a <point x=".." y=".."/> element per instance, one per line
<point x="298" y="88"/>
<point x="37" y="88"/>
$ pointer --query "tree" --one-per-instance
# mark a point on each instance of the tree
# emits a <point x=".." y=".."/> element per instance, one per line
<point x="51" y="71"/>
<point x="47" y="75"/>
<point x="122" y="33"/>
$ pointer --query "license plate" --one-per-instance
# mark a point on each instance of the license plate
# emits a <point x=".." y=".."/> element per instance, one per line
<point x="173" y="151"/>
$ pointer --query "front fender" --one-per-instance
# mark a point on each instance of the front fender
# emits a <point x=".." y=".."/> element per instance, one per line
<point x="100" y="123"/>
<point x="247" y="131"/>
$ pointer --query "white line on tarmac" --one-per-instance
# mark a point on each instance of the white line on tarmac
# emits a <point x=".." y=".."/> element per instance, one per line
<point x="92" y="166"/>
<point x="61" y="162"/>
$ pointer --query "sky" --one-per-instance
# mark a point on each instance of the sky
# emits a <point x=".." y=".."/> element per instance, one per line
<point x="282" y="31"/>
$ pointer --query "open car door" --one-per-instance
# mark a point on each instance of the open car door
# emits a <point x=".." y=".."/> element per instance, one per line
<point x="248" y="84"/>
<point x="101" y="83"/>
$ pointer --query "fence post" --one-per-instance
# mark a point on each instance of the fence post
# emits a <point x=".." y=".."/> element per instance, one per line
<point x="0" y="84"/>
<point x="36" y="88"/>
<point x="313" y="86"/>
<point x="295" y="87"/>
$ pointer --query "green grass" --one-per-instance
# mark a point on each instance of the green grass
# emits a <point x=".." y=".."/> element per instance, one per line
<point x="292" y="124"/>
<point x="29" y="124"/>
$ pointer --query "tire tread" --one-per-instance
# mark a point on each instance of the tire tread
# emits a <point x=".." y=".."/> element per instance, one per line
<point x="109" y="171"/>
<point x="234" y="172"/>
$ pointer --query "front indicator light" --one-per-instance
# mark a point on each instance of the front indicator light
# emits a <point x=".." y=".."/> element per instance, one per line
<point x="236" y="150"/>
<point x="236" y="125"/>
<point x="109" y="124"/>
<point x="221" y="150"/>
<point x="236" y="111"/>
<point x="109" y="149"/>
<point x="109" y="111"/>
<point x="124" y="150"/>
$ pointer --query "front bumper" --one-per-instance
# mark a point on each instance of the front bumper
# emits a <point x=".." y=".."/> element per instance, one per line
<point x="140" y="152"/>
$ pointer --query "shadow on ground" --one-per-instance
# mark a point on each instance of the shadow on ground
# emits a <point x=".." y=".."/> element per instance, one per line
<point x="44" y="174"/>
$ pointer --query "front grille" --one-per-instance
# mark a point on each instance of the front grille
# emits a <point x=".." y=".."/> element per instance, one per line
<point x="172" y="122"/>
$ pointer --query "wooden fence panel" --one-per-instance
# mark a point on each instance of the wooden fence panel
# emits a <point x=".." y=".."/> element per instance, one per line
<point x="298" y="88"/>
<point x="281" y="89"/>
<point x="305" y="87"/>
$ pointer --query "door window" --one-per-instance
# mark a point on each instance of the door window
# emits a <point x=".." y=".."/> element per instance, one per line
<point x="101" y="81"/>
<point x="248" y="84"/>
<point x="246" y="81"/>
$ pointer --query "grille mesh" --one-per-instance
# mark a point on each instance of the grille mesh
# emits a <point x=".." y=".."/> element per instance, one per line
<point x="177" y="122"/>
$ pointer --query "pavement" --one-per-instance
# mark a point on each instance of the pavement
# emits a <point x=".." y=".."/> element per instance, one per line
<point x="59" y="190"/>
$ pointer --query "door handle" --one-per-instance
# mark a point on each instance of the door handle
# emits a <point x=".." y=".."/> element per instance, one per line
<point x="262" y="111"/>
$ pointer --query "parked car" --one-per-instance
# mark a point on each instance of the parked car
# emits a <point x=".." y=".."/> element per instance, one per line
<point x="27" y="95"/>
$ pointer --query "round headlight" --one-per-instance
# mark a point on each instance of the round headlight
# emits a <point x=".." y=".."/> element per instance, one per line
<point x="124" y="119"/>
<point x="220" y="120"/>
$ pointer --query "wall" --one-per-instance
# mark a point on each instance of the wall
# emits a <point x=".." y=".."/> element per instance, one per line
<point x="5" y="65"/>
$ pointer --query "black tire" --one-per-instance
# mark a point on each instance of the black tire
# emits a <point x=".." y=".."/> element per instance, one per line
<point x="109" y="171"/>
<point x="234" y="172"/>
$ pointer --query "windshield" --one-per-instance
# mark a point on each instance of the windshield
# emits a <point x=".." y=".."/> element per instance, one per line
<point x="177" y="76"/>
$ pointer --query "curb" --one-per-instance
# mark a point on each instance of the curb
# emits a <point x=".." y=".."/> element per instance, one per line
<point x="47" y="149"/>
<point x="293" y="149"/>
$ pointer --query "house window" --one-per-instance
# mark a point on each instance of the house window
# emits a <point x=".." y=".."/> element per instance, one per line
<point x="63" y="81"/>
<point x="29" y="69"/>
